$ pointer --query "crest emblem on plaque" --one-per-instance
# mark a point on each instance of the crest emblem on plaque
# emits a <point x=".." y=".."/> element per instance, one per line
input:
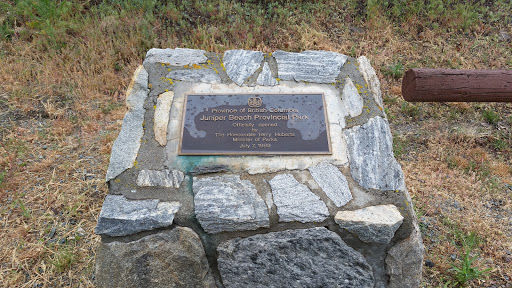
<point x="254" y="102"/>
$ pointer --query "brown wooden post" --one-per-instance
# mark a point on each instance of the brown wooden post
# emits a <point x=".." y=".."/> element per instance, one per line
<point x="446" y="85"/>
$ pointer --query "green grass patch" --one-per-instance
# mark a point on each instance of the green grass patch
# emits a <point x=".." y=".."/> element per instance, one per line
<point x="399" y="146"/>
<point x="2" y="177"/>
<point x="45" y="21"/>
<point x="224" y="23"/>
<point x="63" y="259"/>
<point x="443" y="15"/>
<point x="490" y="116"/>
<point x="499" y="144"/>
<point x="394" y="70"/>
<point x="410" y="110"/>
<point x="465" y="271"/>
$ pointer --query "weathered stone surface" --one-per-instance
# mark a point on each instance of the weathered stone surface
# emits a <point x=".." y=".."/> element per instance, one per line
<point x="371" y="224"/>
<point x="265" y="78"/>
<point x="164" y="178"/>
<point x="175" y="57"/>
<point x="309" y="66"/>
<point x="295" y="202"/>
<point x="125" y="148"/>
<point x="226" y="203"/>
<point x="195" y="75"/>
<point x="240" y="64"/>
<point x="198" y="170"/>
<point x="333" y="183"/>
<point x="313" y="257"/>
<point x="352" y="99"/>
<point x="161" y="118"/>
<point x="173" y="258"/>
<point x="120" y="216"/>
<point x="405" y="260"/>
<point x="371" y="79"/>
<point x="372" y="163"/>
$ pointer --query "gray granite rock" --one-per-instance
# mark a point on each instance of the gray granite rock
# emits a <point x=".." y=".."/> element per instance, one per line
<point x="175" y="57"/>
<point x="333" y="183"/>
<point x="195" y="75"/>
<point x="405" y="260"/>
<point x="265" y="78"/>
<point x="226" y="203"/>
<point x="352" y="99"/>
<point x="126" y="146"/>
<point x="295" y="202"/>
<point x="240" y="64"/>
<point x="309" y="66"/>
<point x="372" y="163"/>
<point x="376" y="224"/>
<point x="156" y="178"/>
<point x="313" y="257"/>
<point x="371" y="79"/>
<point x="173" y="258"/>
<point x="120" y="216"/>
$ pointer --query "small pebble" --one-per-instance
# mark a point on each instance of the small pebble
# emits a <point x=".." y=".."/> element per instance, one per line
<point x="453" y="257"/>
<point x="504" y="36"/>
<point x="429" y="263"/>
<point x="52" y="233"/>
<point x="80" y="231"/>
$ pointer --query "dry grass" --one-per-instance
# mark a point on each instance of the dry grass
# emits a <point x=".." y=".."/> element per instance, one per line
<point x="60" y="111"/>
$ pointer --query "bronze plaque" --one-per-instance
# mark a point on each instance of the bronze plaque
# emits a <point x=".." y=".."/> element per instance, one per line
<point x="237" y="124"/>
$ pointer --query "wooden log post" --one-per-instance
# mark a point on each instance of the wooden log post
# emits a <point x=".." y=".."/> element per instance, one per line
<point x="446" y="85"/>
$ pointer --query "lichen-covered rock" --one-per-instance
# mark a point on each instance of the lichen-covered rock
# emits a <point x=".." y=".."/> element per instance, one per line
<point x="352" y="99"/>
<point x="371" y="224"/>
<point x="333" y="183"/>
<point x="240" y="64"/>
<point x="173" y="258"/>
<point x="309" y="66"/>
<point x="195" y="75"/>
<point x="313" y="257"/>
<point x="226" y="203"/>
<point x="371" y="79"/>
<point x="295" y="202"/>
<point x="164" y="178"/>
<point x="405" y="260"/>
<point x="120" y="216"/>
<point x="161" y="118"/>
<point x="175" y="57"/>
<point x="125" y="148"/>
<point x="372" y="163"/>
<point x="265" y="78"/>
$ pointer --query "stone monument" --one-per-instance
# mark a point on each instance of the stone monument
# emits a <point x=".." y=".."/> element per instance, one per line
<point x="248" y="169"/>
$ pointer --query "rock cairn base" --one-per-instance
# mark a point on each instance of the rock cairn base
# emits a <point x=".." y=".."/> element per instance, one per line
<point x="340" y="220"/>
